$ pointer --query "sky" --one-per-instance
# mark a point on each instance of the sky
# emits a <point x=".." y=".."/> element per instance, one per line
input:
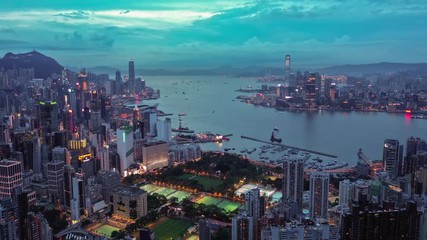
<point x="206" y="34"/>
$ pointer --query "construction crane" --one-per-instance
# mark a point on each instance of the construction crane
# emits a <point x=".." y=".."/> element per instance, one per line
<point x="362" y="157"/>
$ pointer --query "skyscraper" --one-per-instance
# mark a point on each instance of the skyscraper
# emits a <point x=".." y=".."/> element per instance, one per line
<point x="255" y="207"/>
<point x="10" y="177"/>
<point x="287" y="69"/>
<point x="132" y="75"/>
<point x="346" y="194"/>
<point x="392" y="157"/>
<point x="125" y="148"/>
<point x="204" y="230"/>
<point x="319" y="188"/>
<point x="310" y="91"/>
<point x="242" y="227"/>
<point x="55" y="178"/>
<point x="293" y="181"/>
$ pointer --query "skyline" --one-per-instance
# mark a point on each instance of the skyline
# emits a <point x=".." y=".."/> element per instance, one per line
<point x="166" y="34"/>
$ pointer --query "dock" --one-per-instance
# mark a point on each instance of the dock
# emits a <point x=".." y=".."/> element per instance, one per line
<point x="296" y="148"/>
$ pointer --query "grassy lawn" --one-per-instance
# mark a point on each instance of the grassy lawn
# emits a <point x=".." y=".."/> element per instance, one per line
<point x="180" y="195"/>
<point x="207" y="200"/>
<point x="149" y="188"/>
<point x="170" y="228"/>
<point x="164" y="191"/>
<point x="106" y="230"/>
<point x="206" y="182"/>
<point x="228" y="205"/>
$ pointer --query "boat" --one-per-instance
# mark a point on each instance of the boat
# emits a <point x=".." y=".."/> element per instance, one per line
<point x="182" y="129"/>
<point x="273" y="137"/>
<point x="182" y="114"/>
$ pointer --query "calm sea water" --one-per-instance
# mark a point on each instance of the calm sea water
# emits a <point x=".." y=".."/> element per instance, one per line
<point x="210" y="105"/>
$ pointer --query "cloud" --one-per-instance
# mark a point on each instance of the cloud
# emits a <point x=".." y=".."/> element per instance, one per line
<point x="7" y="30"/>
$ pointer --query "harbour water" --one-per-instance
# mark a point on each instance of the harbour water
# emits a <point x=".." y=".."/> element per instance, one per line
<point x="210" y="104"/>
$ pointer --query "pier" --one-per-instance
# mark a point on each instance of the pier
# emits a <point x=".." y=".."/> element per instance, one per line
<point x="296" y="148"/>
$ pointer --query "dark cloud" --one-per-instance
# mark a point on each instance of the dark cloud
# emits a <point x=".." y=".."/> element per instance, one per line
<point x="75" y="15"/>
<point x="7" y="30"/>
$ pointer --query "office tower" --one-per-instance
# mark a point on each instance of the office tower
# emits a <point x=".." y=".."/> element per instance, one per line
<point x="319" y="189"/>
<point x="130" y="203"/>
<point x="132" y="75"/>
<point x="109" y="181"/>
<point x="293" y="181"/>
<point x="149" y="116"/>
<point x="68" y="184"/>
<point x="242" y="227"/>
<point x="164" y="130"/>
<point x="392" y="157"/>
<point x="55" y="178"/>
<point x="204" y="229"/>
<point x="155" y="155"/>
<point x="287" y="69"/>
<point x="48" y="117"/>
<point x="10" y="177"/>
<point x="125" y="148"/>
<point x="346" y="194"/>
<point x="9" y="221"/>
<point x="414" y="145"/>
<point x="78" y="197"/>
<point x="310" y="91"/>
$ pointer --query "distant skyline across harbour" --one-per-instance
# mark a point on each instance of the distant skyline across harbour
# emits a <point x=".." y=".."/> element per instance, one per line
<point x="187" y="34"/>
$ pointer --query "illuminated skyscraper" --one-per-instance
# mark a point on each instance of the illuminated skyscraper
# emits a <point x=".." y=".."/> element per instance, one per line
<point x="319" y="188"/>
<point x="392" y="157"/>
<point x="287" y="69"/>
<point x="10" y="177"/>
<point x="242" y="227"/>
<point x="310" y="91"/>
<point x="125" y="147"/>
<point x="293" y="181"/>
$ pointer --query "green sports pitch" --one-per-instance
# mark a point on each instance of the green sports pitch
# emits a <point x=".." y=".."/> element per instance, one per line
<point x="170" y="228"/>
<point x="106" y="230"/>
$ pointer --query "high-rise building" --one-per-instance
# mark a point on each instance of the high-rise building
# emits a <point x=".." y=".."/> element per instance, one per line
<point x="125" y="148"/>
<point x="362" y="223"/>
<point x="255" y="207"/>
<point x="132" y="75"/>
<point x="346" y="192"/>
<point x="204" y="229"/>
<point x="242" y="227"/>
<point x="164" y="130"/>
<point x="392" y="157"/>
<point x="10" y="177"/>
<point x="48" y="117"/>
<point x="310" y="91"/>
<point x="9" y="221"/>
<point x="130" y="203"/>
<point x="55" y="178"/>
<point x="155" y="155"/>
<point x="287" y="69"/>
<point x="319" y="189"/>
<point x="293" y="181"/>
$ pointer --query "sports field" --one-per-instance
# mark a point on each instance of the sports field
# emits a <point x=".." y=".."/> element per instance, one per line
<point x="106" y="230"/>
<point x="168" y="228"/>
<point x="206" y="182"/>
<point x="149" y="188"/>
<point x="180" y="195"/>
<point x="209" y="200"/>
<point x="164" y="191"/>
<point x="228" y="206"/>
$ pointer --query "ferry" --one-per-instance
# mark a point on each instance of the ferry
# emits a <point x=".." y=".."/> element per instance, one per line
<point x="182" y="114"/>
